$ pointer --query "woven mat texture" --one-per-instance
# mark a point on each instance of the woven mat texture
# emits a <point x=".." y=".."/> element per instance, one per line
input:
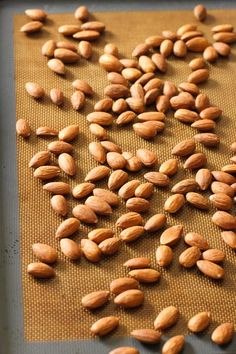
<point x="52" y="309"/>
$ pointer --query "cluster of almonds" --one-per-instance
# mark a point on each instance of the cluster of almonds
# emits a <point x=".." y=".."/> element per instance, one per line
<point x="132" y="92"/>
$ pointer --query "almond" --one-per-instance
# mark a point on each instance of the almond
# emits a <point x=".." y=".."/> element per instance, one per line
<point x="97" y="151"/>
<point x="186" y="28"/>
<point x="82" y="190"/>
<point x="149" y="336"/>
<point x="226" y="37"/>
<point x="146" y="116"/>
<point x="46" y="172"/>
<point x="144" y="131"/>
<point x="171" y="235"/>
<point x="189" y="257"/>
<point x="174" y="203"/>
<point x="144" y="190"/>
<point x="102" y="118"/>
<point x="210" y="54"/>
<point x="154" y="83"/>
<point x="202" y="102"/>
<point x="66" y="45"/>
<point x="93" y="25"/>
<point x="83" y="86"/>
<point x="164" y="255"/>
<point x="162" y="103"/>
<point x="69" y="133"/>
<point x="39" y="159"/>
<point x="98" y="131"/>
<point x="186" y="116"/>
<point x="48" y="48"/>
<point x="183" y="100"/>
<point x="196" y="161"/>
<point x="40" y="270"/>
<point x="86" y="35"/>
<point x="140" y="49"/>
<point x="67" y="56"/>
<point x="145" y="275"/>
<point x="90" y="250"/>
<point x="220" y="187"/>
<point x="146" y="64"/>
<point x="221" y="201"/>
<point x="191" y="34"/>
<point x="132" y="233"/>
<point x="210" y="113"/>
<point x="95" y="299"/>
<point x="34" y="90"/>
<point x="125" y="118"/>
<point x="210" y="269"/>
<point x="110" y="63"/>
<point x="147" y="157"/>
<point x="124" y="350"/>
<point x="203" y="178"/>
<point x="166" y="318"/>
<point x="174" y="345"/>
<point x="197" y="200"/>
<point x="213" y="255"/>
<point x="77" y="100"/>
<point x="70" y="249"/>
<point x="170" y="90"/>
<point x="111" y="48"/>
<point x="133" y="163"/>
<point x="166" y="48"/>
<point x="157" y="178"/>
<point x="136" y="91"/>
<point x="229" y="168"/>
<point x="199" y="322"/>
<point x="160" y="62"/>
<point x="184" y="148"/>
<point x="119" y="285"/>
<point x="189" y="87"/>
<point x="117" y="179"/>
<point x="170" y="35"/>
<point x="67" y="228"/>
<point x="129" y="63"/>
<point x="195" y="239"/>
<point x="104" y="325"/>
<point x="57" y="66"/>
<point x="150" y="97"/>
<point x="224" y="177"/>
<point x="129" y="219"/>
<point x="36" y="14"/>
<point x="85" y="214"/>
<point x="197" y="44"/>
<point x="128" y="189"/>
<point x="59" y="204"/>
<point x="155" y="222"/>
<point x="108" y="196"/>
<point x="198" y="76"/>
<point x="56" y="96"/>
<point x="130" y="298"/>
<point x="81" y="13"/>
<point x="135" y="104"/>
<point x="137" y="204"/>
<point x="110" y="245"/>
<point x="223" y="334"/>
<point x="110" y="146"/>
<point x="97" y="173"/>
<point x="197" y="63"/>
<point x="131" y="74"/>
<point x="154" y="41"/>
<point x="222" y="48"/>
<point x="200" y="12"/>
<point x="185" y="186"/>
<point x="59" y="147"/>
<point x="229" y="237"/>
<point x="180" y="49"/>
<point x="98" y="205"/>
<point x="46" y="131"/>
<point x="67" y="164"/>
<point x="44" y="253"/>
<point x="204" y="125"/>
<point x="68" y="30"/>
<point x="115" y="160"/>
<point x="116" y="78"/>
<point x="85" y="49"/>
<point x="31" y="27"/>
<point x="137" y="263"/>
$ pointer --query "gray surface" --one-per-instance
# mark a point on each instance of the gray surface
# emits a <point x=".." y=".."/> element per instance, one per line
<point x="11" y="316"/>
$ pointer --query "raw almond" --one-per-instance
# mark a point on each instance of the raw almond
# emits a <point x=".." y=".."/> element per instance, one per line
<point x="85" y="214"/>
<point x="222" y="48"/>
<point x="137" y="263"/>
<point x="189" y="257"/>
<point x="57" y="66"/>
<point x="220" y="187"/>
<point x="160" y="62"/>
<point x="116" y="78"/>
<point x="170" y="35"/>
<point x="46" y="131"/>
<point x="117" y="179"/>
<point x="69" y="133"/>
<point x="56" y="96"/>
<point x="59" y="205"/>
<point x="104" y="325"/>
<point x="180" y="49"/>
<point x="229" y="168"/>
<point x="59" y="147"/>
<point x="146" y="64"/>
<point x="166" y="48"/>
<point x="68" y="30"/>
<point x="210" y="54"/>
<point x="203" y="178"/>
<point x="144" y="190"/>
<point x="213" y="255"/>
<point x="128" y="189"/>
<point x="98" y="131"/>
<point x="147" y="275"/>
<point x="48" y="48"/>
<point x="201" y="102"/>
<point x="197" y="63"/>
<point x="97" y="151"/>
<point x="210" y="269"/>
<point x="115" y="160"/>
<point x="154" y="41"/>
<point x="200" y="12"/>
<point x="221" y="201"/>
<point x="204" y="125"/>
<point x="130" y="298"/>
<point x="224" y="177"/>
<point x="199" y="322"/>
<point x="31" y="27"/>
<point x="197" y="240"/>
<point x="36" y="14"/>
<point x="197" y="44"/>
<point x="95" y="299"/>
<point x="119" y="285"/>
<point x="162" y="103"/>
<point x="99" y="235"/>
<point x="133" y="163"/>
<point x="44" y="253"/>
<point x="174" y="345"/>
<point x="136" y="91"/>
<point x="186" y="28"/>
<point x="85" y="49"/>
<point x="39" y="159"/>
<point x="184" y="148"/>
<point x="189" y="87"/>
<point x="86" y="35"/>
<point x="140" y="49"/>
<point x="111" y="48"/>
<point x="110" y="63"/>
<point x="147" y="157"/>
<point x="226" y="37"/>
<point x="67" y="164"/>
<point x="98" y="205"/>
<point x="169" y="167"/>
<point x="157" y="178"/>
<point x="132" y="233"/>
<point x="229" y="237"/>
<point x="146" y="116"/>
<point x="164" y="255"/>
<point x="67" y="56"/>
<point x="170" y="90"/>
<point x="110" y="146"/>
<point x="155" y="222"/>
<point x="191" y="34"/>
<point x="70" y="249"/>
<point x="81" y="13"/>
<point x="154" y="83"/>
<point x="186" y="116"/>
<point x="197" y="200"/>
<point x="171" y="235"/>
<point x="102" y="118"/>
<point x="124" y="350"/>
<point x="77" y="100"/>
<point x="67" y="228"/>
<point x="131" y="74"/>
<point x="166" y="318"/>
<point x="110" y="246"/>
<point x="125" y="118"/>
<point x="83" y="86"/>
<point x="129" y="219"/>
<point x="149" y="336"/>
<point x="223" y="334"/>
<point x="137" y="204"/>
<point x="46" y="172"/>
<point x="198" y="76"/>
<point x="145" y="132"/>
<point x="151" y="96"/>
<point x="97" y="173"/>
<point x="82" y="190"/>
<point x="66" y="45"/>
<point x="135" y="104"/>
<point x="110" y="197"/>
<point x="185" y="186"/>
<point x="90" y="250"/>
<point x="40" y="270"/>
<point x="174" y="203"/>
<point x="183" y="100"/>
<point x="196" y="161"/>
<point x="212" y="112"/>
<point x="93" y="25"/>
<point x="129" y="63"/>
<point x="34" y="90"/>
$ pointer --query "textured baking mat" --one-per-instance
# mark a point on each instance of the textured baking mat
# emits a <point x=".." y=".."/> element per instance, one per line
<point x="52" y="309"/>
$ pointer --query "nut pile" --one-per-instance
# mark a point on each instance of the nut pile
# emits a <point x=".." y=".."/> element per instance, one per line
<point x="136" y="96"/>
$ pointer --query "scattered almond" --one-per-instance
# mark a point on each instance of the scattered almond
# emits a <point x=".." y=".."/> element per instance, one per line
<point x="166" y="318"/>
<point x="70" y="249"/>
<point x="130" y="298"/>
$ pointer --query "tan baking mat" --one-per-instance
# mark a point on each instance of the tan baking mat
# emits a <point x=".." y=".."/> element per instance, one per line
<point x="52" y="309"/>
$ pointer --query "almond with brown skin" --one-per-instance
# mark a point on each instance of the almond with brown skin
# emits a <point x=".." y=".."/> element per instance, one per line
<point x="68" y="30"/>
<point x="67" y="164"/>
<point x="222" y="48"/>
<point x="146" y="64"/>
<point x="170" y="90"/>
<point x="110" y="63"/>
<point x="39" y="159"/>
<point x="196" y="161"/>
<point x="110" y="246"/>
<point x="188" y="87"/>
<point x="220" y="187"/>
<point x="116" y="78"/>
<point x="124" y="350"/>
<point x="67" y="228"/>
<point x="223" y="334"/>
<point x="90" y="250"/>
<point x="213" y="255"/>
<point x="136" y="91"/>
<point x="137" y="204"/>
<point x="150" y="97"/>
<point x="164" y="255"/>
<point x="157" y="178"/>
<point x="203" y="178"/>
<point x="67" y="56"/>
<point x="115" y="160"/>
<point x="77" y="100"/>
<point x="125" y="118"/>
<point x="155" y="222"/>
<point x="149" y="336"/>
<point x="147" y="275"/>
<point x="147" y="157"/>
<point x="145" y="132"/>
<point x="85" y="49"/>
<point x="82" y="190"/>
<point x="44" y="253"/>
<point x="110" y="197"/>
<point x="212" y="112"/>
<point x="135" y="104"/>
<point x="57" y="66"/>
<point x="132" y="233"/>
<point x="198" y="76"/>
<point x="154" y="83"/>
<point x="166" y="318"/>
<point x="59" y="147"/>
<point x="197" y="44"/>
<point x="98" y="205"/>
<point x="195" y="239"/>
<point x="81" y="13"/>
<point x="104" y="325"/>
<point x="133" y="163"/>
<point x="70" y="249"/>
<point x="169" y="167"/>
<point x="86" y="35"/>
<point x="210" y="269"/>
<point x="93" y="26"/>
<point x="130" y="298"/>
<point x="111" y="48"/>
<point x="183" y="100"/>
<point x="160" y="62"/>
<point x="137" y="263"/>
<point x="180" y="49"/>
<point x="229" y="237"/>
<point x="224" y="220"/>
<point x="166" y="48"/>
<point x="83" y="86"/>
<point x="204" y="125"/>
<point x="210" y="54"/>
<point x="117" y="179"/>
<point x="40" y="270"/>
<point x="185" y="186"/>
<point x="186" y="28"/>
<point x="197" y="200"/>
<point x="97" y="151"/>
<point x="184" y="148"/>
<point x="57" y="96"/>
<point x="129" y="219"/>
<point x="69" y="133"/>
<point x="85" y="214"/>
<point x="202" y="102"/>
<point x="110" y="146"/>
<point x="46" y="131"/>
<point x="119" y="285"/>
<point x="48" y="48"/>
<point x="99" y="235"/>
<point x="128" y="189"/>
<point x="199" y="322"/>
<point x="174" y="345"/>
<point x="174" y="203"/>
<point x="162" y="104"/>
<point x="59" y="205"/>
<point x="97" y="173"/>
<point x="189" y="257"/>
<point x="131" y="74"/>
<point x="34" y="90"/>
<point x="221" y="201"/>
<point x="129" y="63"/>
<point x="170" y="35"/>
<point x="36" y="14"/>
<point x="98" y="131"/>
<point x="144" y="190"/>
<point x="186" y="116"/>
<point x="229" y="168"/>
<point x="140" y="49"/>
<point x="200" y="12"/>
<point x="32" y="27"/>
<point x="102" y="118"/>
<point x="46" y="172"/>
<point x="226" y="37"/>
<point x="197" y="63"/>
<point x="66" y="45"/>
<point x="171" y="235"/>
<point x="224" y="177"/>
<point x="154" y="41"/>
<point x="95" y="299"/>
